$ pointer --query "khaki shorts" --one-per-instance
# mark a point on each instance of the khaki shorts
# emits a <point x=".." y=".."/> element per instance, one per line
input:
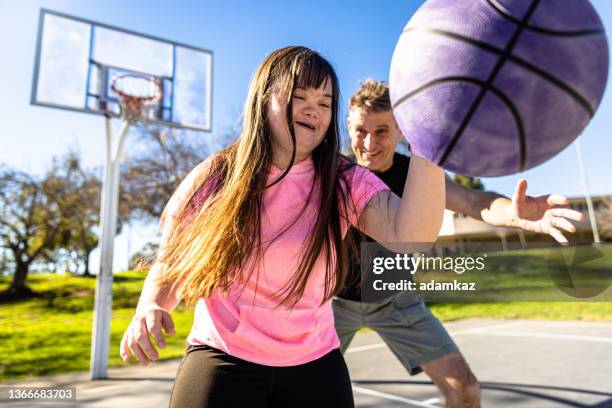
<point x="404" y="323"/>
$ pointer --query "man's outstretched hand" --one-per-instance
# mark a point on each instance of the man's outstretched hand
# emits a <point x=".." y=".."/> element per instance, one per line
<point x="543" y="214"/>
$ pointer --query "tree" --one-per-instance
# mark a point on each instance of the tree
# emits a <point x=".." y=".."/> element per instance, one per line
<point x="80" y="204"/>
<point x="470" y="182"/>
<point x="31" y="221"/>
<point x="51" y="219"/>
<point x="145" y="256"/>
<point x="152" y="172"/>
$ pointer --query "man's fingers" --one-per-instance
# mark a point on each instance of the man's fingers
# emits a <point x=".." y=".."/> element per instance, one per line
<point x="556" y="199"/>
<point x="564" y="224"/>
<point x="567" y="213"/>
<point x="141" y="335"/>
<point x="520" y="191"/>
<point x="154" y="326"/>
<point x="168" y="323"/>
<point x="558" y="236"/>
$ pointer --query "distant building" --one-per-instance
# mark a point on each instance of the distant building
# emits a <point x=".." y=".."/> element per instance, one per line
<point x="458" y="229"/>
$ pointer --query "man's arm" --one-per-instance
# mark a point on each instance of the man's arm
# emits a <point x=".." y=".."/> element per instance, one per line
<point x="492" y="208"/>
<point x="542" y="214"/>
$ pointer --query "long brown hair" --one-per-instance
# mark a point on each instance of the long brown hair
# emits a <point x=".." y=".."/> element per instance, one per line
<point x="213" y="240"/>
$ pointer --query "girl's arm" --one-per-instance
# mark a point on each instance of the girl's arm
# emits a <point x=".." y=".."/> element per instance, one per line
<point x="417" y="216"/>
<point x="166" y="297"/>
<point x="152" y="312"/>
<point x="158" y="301"/>
<point x="152" y="293"/>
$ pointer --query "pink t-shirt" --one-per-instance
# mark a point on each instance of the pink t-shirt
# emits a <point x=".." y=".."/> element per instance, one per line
<point x="247" y="322"/>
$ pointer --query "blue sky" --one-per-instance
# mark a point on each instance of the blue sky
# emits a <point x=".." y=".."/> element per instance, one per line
<point x="358" y="37"/>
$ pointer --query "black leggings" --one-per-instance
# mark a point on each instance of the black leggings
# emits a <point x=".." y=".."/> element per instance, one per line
<point x="210" y="378"/>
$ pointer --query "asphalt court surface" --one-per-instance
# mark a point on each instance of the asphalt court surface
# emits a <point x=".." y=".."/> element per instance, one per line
<point x="520" y="363"/>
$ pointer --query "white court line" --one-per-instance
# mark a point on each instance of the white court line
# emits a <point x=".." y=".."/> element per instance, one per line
<point x="431" y="401"/>
<point x="392" y="397"/>
<point x="601" y="325"/>
<point x="544" y="336"/>
<point x="482" y="328"/>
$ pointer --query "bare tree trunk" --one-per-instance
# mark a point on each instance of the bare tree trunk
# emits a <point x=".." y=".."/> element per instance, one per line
<point x="85" y="260"/>
<point x="19" y="278"/>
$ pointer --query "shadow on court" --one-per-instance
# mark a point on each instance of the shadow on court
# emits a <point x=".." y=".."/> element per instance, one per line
<point x="519" y="364"/>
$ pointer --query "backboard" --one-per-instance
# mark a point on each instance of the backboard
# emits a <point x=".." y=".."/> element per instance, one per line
<point x="76" y="60"/>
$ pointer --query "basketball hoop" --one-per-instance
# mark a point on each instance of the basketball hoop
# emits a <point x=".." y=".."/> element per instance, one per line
<point x="137" y="95"/>
<point x="144" y="90"/>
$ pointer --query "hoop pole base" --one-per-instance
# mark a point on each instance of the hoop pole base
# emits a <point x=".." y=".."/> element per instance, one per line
<point x="100" y="341"/>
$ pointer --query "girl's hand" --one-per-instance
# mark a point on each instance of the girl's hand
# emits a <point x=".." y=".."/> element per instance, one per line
<point x="147" y="322"/>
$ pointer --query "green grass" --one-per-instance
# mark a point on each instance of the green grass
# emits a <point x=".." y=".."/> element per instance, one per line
<point x="51" y="334"/>
<point x="530" y="275"/>
<point x="530" y="269"/>
<point x="587" y="311"/>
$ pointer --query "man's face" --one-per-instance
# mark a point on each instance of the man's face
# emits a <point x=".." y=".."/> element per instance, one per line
<point x="374" y="136"/>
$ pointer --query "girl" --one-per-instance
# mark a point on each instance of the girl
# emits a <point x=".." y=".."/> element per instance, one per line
<point x="254" y="235"/>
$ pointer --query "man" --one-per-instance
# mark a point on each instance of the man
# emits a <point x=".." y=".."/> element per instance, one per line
<point x="411" y="331"/>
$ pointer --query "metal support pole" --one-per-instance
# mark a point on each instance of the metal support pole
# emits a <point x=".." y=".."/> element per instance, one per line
<point x="587" y="194"/>
<point x="108" y="225"/>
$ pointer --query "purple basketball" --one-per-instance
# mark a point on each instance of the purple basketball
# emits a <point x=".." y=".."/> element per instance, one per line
<point x="494" y="87"/>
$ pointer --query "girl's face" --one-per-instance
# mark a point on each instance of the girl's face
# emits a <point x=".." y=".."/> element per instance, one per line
<point x="312" y="113"/>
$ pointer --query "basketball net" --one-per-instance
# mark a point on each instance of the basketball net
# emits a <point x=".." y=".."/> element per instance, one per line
<point x="137" y="95"/>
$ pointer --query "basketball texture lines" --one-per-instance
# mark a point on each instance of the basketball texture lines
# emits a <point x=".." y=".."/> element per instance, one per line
<point x="494" y="87"/>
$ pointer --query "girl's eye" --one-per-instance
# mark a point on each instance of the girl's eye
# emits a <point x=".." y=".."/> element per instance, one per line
<point x="301" y="98"/>
<point x="324" y="105"/>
